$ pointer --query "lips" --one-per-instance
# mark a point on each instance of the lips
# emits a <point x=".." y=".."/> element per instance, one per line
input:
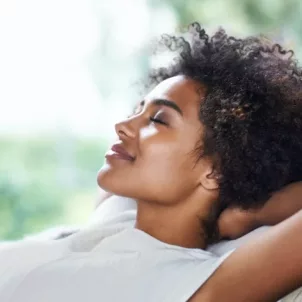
<point x="118" y="151"/>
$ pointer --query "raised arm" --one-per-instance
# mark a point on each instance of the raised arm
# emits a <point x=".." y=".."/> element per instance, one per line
<point x="281" y="206"/>
<point x="266" y="269"/>
<point x="236" y="222"/>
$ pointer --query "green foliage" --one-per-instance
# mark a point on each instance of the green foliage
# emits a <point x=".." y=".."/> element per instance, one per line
<point x="43" y="180"/>
<point x="277" y="19"/>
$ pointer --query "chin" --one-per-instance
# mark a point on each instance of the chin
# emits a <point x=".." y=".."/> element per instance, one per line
<point x="103" y="179"/>
<point x="111" y="181"/>
<point x="118" y="179"/>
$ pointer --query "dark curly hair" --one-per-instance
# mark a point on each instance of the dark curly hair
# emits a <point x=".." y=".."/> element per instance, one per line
<point x="252" y="110"/>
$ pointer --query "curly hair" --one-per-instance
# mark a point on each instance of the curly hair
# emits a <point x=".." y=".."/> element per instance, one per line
<point x="252" y="110"/>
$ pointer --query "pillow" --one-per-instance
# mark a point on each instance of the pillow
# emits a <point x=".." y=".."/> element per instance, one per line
<point x="110" y="207"/>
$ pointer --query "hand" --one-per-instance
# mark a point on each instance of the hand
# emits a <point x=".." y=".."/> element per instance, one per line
<point x="235" y="222"/>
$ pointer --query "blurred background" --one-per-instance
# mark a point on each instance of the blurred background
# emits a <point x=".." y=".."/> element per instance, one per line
<point x="69" y="69"/>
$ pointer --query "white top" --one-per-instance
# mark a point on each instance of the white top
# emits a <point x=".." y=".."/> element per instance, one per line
<point x="111" y="261"/>
<point x="117" y="204"/>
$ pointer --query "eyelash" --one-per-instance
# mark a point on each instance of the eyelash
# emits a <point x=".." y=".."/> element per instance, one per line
<point x="155" y="120"/>
<point x="152" y="119"/>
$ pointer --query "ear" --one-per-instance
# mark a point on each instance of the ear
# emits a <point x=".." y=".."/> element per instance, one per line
<point x="209" y="177"/>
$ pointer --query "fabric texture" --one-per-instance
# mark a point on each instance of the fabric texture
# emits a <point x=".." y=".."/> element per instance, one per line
<point x="116" y="204"/>
<point x="107" y="261"/>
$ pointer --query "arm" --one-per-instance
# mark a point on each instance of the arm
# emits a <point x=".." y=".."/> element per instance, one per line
<point x="281" y="205"/>
<point x="265" y="269"/>
<point x="234" y="223"/>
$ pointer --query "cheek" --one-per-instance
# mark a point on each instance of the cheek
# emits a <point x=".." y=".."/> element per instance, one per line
<point x="166" y="165"/>
<point x="147" y="133"/>
<point x="168" y="175"/>
<point x="162" y="171"/>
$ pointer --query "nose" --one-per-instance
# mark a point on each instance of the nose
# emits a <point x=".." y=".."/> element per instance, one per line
<point x="125" y="129"/>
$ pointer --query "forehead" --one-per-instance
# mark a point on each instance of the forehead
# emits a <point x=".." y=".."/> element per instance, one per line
<point x="185" y="92"/>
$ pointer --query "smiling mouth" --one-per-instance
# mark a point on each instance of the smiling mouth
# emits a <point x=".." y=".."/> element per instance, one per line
<point x="112" y="154"/>
<point x="118" y="152"/>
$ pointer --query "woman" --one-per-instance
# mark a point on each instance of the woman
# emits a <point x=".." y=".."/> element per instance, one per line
<point x="221" y="129"/>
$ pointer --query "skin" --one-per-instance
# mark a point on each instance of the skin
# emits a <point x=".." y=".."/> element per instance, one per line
<point x="266" y="269"/>
<point x="174" y="192"/>
<point x="234" y="222"/>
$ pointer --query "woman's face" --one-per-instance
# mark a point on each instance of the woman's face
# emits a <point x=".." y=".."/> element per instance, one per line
<point x="153" y="159"/>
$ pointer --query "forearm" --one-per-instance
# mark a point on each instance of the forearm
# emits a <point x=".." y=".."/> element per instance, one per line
<point x="281" y="205"/>
<point x="235" y="222"/>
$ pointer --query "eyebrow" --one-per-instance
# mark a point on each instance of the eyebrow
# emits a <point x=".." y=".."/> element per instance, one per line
<point x="164" y="102"/>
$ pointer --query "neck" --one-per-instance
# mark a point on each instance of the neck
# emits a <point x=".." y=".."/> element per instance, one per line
<point x="173" y="224"/>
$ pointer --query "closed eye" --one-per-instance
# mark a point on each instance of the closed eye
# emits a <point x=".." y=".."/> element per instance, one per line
<point x="155" y="120"/>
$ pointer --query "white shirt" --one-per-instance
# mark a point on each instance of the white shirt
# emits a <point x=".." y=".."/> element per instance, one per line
<point x="108" y="261"/>
<point x="116" y="204"/>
